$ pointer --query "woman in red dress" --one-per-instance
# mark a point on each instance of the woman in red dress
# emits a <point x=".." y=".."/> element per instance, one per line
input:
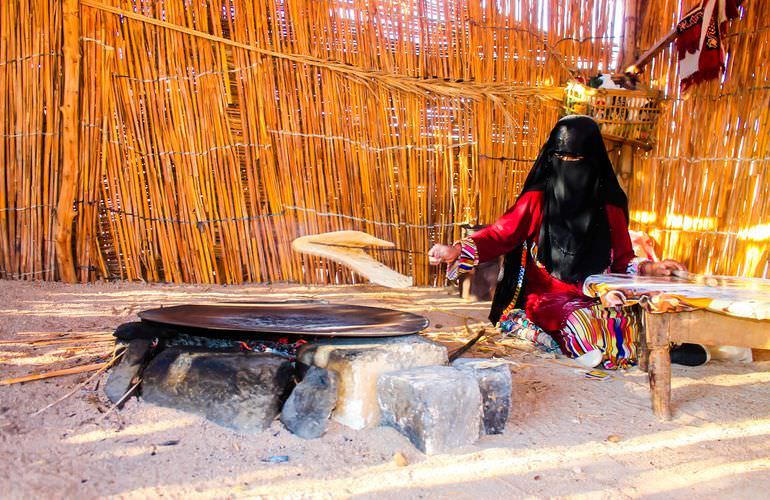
<point x="569" y="222"/>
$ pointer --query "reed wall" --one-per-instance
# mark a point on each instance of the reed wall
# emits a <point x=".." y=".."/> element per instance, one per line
<point x="704" y="191"/>
<point x="213" y="133"/>
<point x="30" y="97"/>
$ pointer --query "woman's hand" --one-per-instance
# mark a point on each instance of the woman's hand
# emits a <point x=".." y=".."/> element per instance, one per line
<point x="443" y="253"/>
<point x="663" y="268"/>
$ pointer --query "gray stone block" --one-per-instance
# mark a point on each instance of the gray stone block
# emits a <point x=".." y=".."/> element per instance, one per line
<point x="242" y="391"/>
<point x="306" y="413"/>
<point x="129" y="366"/>
<point x="494" y="378"/>
<point x="359" y="363"/>
<point x="437" y="407"/>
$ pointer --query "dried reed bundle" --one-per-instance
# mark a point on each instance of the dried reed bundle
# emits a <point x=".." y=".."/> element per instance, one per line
<point x="84" y="350"/>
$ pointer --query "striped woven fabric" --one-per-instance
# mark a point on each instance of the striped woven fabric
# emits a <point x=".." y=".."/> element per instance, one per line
<point x="613" y="330"/>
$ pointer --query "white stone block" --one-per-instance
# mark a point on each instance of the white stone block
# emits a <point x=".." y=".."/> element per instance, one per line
<point x="437" y="407"/>
<point x="359" y="363"/>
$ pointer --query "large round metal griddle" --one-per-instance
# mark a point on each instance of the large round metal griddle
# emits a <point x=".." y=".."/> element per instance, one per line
<point x="292" y="318"/>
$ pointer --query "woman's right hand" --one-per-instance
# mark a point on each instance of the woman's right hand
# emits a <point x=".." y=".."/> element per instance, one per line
<point x="443" y="253"/>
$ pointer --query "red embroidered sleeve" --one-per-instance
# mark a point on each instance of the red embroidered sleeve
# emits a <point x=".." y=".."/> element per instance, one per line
<point x="509" y="231"/>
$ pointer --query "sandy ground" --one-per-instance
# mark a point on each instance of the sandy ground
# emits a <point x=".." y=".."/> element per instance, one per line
<point x="556" y="443"/>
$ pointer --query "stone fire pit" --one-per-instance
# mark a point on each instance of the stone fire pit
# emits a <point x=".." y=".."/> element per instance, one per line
<point x="244" y="380"/>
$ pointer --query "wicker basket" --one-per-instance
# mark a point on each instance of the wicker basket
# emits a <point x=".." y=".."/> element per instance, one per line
<point x="622" y="114"/>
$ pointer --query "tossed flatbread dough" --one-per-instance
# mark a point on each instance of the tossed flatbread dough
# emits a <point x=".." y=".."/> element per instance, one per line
<point x="347" y="248"/>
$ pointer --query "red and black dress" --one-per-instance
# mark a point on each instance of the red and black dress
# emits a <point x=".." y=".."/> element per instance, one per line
<point x="569" y="222"/>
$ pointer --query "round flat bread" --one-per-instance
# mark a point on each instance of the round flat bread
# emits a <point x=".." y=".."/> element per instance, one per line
<point x="347" y="248"/>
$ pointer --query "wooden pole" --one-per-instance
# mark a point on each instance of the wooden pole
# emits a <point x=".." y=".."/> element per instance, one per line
<point x="65" y="213"/>
<point x="630" y="24"/>
<point x="629" y="34"/>
<point x="657" y="47"/>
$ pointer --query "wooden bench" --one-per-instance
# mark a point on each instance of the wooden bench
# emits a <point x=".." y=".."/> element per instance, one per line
<point x="696" y="327"/>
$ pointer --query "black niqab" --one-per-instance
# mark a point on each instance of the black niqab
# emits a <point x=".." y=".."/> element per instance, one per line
<point x="576" y="177"/>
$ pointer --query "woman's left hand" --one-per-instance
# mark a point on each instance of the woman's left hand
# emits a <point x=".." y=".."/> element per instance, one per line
<point x="663" y="268"/>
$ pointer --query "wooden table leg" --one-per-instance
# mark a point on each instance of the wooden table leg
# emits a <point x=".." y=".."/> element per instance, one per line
<point x="659" y="369"/>
<point x="643" y="355"/>
<point x="642" y="352"/>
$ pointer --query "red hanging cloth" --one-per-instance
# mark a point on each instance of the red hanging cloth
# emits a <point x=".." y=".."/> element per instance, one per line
<point x="699" y="43"/>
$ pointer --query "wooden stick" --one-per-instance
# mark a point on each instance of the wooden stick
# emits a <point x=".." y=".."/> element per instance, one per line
<point x="101" y="370"/>
<point x="54" y="373"/>
<point x="464" y="348"/>
<point x="122" y="399"/>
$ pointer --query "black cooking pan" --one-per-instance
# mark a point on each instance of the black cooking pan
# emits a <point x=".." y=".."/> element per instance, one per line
<point x="315" y="319"/>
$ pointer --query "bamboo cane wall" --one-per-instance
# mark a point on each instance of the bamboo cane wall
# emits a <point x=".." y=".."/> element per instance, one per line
<point x="704" y="191"/>
<point x="213" y="133"/>
<point x="30" y="96"/>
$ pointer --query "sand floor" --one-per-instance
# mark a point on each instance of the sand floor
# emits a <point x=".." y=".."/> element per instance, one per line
<point x="556" y="443"/>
